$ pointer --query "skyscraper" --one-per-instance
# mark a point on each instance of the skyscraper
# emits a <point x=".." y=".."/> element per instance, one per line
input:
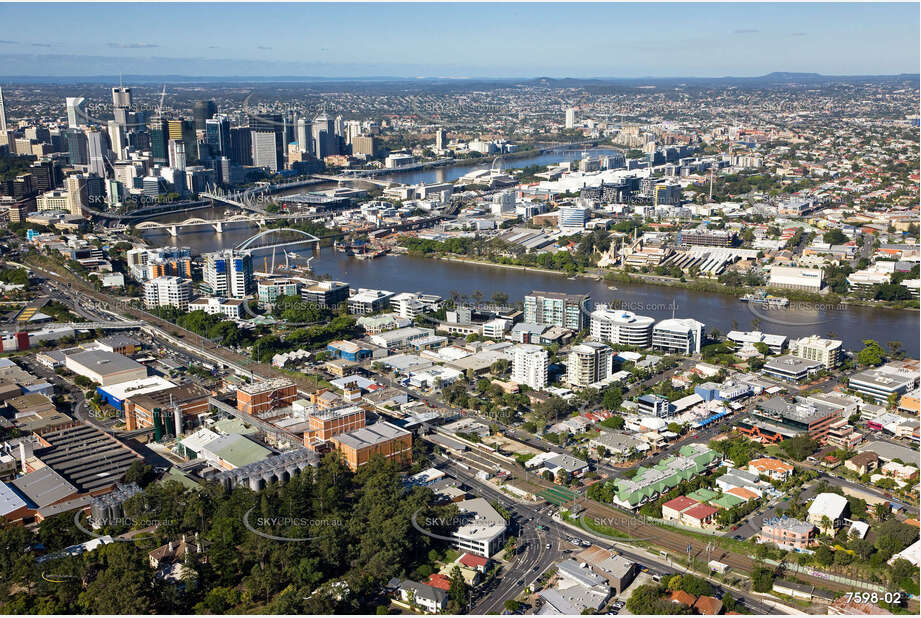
<point x="77" y="147"/>
<point x="571" y="118"/>
<point x="303" y="135"/>
<point x="121" y="105"/>
<point x="441" y="139"/>
<point x="2" y="113"/>
<point x="241" y="145"/>
<point x="96" y="149"/>
<point x="121" y="97"/>
<point x="177" y="159"/>
<point x="217" y="136"/>
<point x="184" y="130"/>
<point x="324" y="136"/>
<point x="76" y="111"/>
<point x="116" y="138"/>
<point x="202" y="111"/>
<point x="159" y="134"/>
<point x="265" y="152"/>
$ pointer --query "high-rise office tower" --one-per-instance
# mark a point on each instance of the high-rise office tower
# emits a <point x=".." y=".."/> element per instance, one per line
<point x="571" y="118"/>
<point x="2" y="113"/>
<point x="324" y="136"/>
<point x="121" y="97"/>
<point x="352" y="130"/>
<point x="241" y="145"/>
<point x="176" y="149"/>
<point x="76" y="111"/>
<point x="159" y="135"/>
<point x="441" y="139"/>
<point x="265" y="152"/>
<point x="269" y="122"/>
<point x="185" y="130"/>
<point x="77" y="148"/>
<point x="339" y="126"/>
<point x="76" y="193"/>
<point x="217" y="135"/>
<point x="96" y="144"/>
<point x="121" y="105"/>
<point x="303" y="134"/>
<point x="202" y="111"/>
<point x="116" y="138"/>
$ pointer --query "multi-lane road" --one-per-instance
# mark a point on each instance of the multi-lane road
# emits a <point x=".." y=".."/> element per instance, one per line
<point x="533" y="557"/>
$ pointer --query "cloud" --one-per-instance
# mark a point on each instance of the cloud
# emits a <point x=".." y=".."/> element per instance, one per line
<point x="214" y="47"/>
<point x="41" y="44"/>
<point x="8" y="42"/>
<point x="133" y="45"/>
<point x="798" y="34"/>
<point x="262" y="47"/>
<point x="745" y="31"/>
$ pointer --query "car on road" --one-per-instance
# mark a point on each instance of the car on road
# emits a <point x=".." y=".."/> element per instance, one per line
<point x="547" y="546"/>
<point x="738" y="537"/>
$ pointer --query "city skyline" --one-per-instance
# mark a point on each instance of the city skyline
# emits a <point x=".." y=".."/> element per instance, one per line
<point x="471" y="40"/>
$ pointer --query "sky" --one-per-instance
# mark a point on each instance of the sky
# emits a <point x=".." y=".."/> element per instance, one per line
<point x="459" y="40"/>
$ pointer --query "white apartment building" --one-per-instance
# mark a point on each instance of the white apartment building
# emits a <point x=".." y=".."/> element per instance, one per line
<point x="230" y="307"/>
<point x="228" y="273"/>
<point x="621" y="327"/>
<point x="589" y="362"/>
<point x="682" y="335"/>
<point x="814" y="348"/>
<point x="168" y="291"/>
<point x="529" y="365"/>
<point x="407" y="305"/>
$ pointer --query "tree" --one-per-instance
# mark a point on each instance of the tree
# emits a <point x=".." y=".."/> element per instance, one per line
<point x="512" y="605"/>
<point x="762" y="579"/>
<point x="871" y="354"/>
<point x="824" y="556"/>
<point x="614" y="422"/>
<point x="139" y="472"/>
<point x="457" y="591"/>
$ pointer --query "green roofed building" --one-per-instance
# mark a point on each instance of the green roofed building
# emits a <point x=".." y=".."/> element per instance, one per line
<point x="649" y="483"/>
<point x="233" y="451"/>
<point x="703" y="495"/>
<point x="726" y="501"/>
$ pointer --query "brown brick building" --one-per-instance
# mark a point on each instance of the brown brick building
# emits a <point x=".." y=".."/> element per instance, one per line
<point x="382" y="438"/>
<point x="192" y="400"/>
<point x="263" y="396"/>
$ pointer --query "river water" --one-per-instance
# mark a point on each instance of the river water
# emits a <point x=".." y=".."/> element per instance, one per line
<point x="406" y="273"/>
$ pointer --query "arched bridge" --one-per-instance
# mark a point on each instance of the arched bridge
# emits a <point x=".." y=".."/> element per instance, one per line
<point x="253" y="240"/>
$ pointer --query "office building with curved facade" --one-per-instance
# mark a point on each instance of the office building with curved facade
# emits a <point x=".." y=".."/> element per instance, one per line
<point x="621" y="327"/>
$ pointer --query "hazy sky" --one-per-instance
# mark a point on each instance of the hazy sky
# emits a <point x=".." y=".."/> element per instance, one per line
<point x="521" y="40"/>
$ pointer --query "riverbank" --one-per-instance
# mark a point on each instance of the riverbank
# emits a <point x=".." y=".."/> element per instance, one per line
<point x="696" y="285"/>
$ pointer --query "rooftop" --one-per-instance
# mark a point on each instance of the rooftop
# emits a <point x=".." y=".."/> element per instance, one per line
<point x="104" y="363"/>
<point x="372" y="434"/>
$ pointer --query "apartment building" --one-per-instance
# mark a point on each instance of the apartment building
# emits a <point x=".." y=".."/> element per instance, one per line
<point x="787" y="533"/>
<point x="168" y="292"/>
<point x="556" y="309"/>
<point x="815" y="348"/>
<point x="228" y="273"/>
<point x="529" y="365"/>
<point x="589" y="362"/>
